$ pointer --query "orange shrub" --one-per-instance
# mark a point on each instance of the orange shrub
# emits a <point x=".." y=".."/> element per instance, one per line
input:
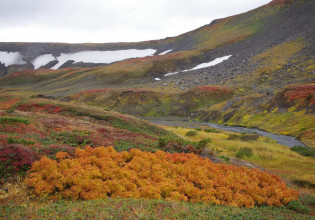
<point x="95" y="173"/>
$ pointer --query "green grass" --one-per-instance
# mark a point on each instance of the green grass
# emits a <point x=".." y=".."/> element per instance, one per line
<point x="4" y="120"/>
<point x="191" y="133"/>
<point x="12" y="140"/>
<point x="211" y="130"/>
<point x="304" y="151"/>
<point x="123" y="145"/>
<point x="225" y="158"/>
<point x="74" y="138"/>
<point x="244" y="152"/>
<point x="140" y="209"/>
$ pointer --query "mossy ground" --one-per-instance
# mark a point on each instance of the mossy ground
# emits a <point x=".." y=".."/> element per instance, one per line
<point x="139" y="209"/>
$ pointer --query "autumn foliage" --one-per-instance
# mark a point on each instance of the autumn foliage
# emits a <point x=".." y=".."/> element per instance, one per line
<point x="213" y="89"/>
<point x="50" y="108"/>
<point x="95" y="173"/>
<point x="300" y="93"/>
<point x="15" y="158"/>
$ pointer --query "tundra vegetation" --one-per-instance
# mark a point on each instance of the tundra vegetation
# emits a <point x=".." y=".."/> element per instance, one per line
<point x="73" y="143"/>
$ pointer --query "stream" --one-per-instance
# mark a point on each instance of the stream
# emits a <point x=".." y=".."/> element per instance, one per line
<point x="184" y="122"/>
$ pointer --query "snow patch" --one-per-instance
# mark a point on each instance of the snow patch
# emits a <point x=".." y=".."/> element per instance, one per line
<point x="165" y="52"/>
<point x="170" y="74"/>
<point x="212" y="63"/>
<point x="203" y="65"/>
<point x="10" y="58"/>
<point x="102" y="56"/>
<point x="157" y="79"/>
<point x="42" y="60"/>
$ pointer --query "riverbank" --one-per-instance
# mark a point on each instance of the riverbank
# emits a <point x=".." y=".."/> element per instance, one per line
<point x="266" y="152"/>
<point x="288" y="141"/>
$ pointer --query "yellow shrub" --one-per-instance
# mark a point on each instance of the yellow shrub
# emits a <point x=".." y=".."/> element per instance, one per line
<point x="95" y="173"/>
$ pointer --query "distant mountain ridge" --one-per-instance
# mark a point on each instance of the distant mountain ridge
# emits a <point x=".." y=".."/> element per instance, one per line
<point x="243" y="36"/>
<point x="210" y="36"/>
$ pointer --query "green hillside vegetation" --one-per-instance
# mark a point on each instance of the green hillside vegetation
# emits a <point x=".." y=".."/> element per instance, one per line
<point x="150" y="103"/>
<point x="292" y="106"/>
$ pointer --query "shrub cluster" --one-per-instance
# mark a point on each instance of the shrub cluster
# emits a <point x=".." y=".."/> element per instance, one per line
<point x="233" y="137"/>
<point x="301" y="93"/>
<point x="211" y="130"/>
<point x="95" y="173"/>
<point x="244" y="152"/>
<point x="13" y="119"/>
<point x="304" y="151"/>
<point x="243" y="137"/>
<point x="15" y="158"/>
<point x="249" y="137"/>
<point x="183" y="146"/>
<point x="191" y="133"/>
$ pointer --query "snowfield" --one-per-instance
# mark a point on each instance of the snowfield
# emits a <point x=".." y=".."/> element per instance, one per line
<point x="165" y="52"/>
<point x="42" y="60"/>
<point x="212" y="63"/>
<point x="10" y="58"/>
<point x="204" y="65"/>
<point x="92" y="57"/>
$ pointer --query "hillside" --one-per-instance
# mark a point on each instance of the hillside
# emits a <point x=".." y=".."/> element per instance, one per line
<point x="271" y="32"/>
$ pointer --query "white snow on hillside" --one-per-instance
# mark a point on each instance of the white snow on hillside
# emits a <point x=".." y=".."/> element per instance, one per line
<point x="11" y="58"/>
<point x="103" y="56"/>
<point x="165" y="52"/>
<point x="92" y="57"/>
<point x="212" y="63"/>
<point x="169" y="74"/>
<point x="42" y="60"/>
<point x="203" y="65"/>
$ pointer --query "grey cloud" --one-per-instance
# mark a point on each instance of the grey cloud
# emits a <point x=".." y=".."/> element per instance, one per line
<point x="97" y="20"/>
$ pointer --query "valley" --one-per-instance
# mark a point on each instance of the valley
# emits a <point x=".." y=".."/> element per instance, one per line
<point x="218" y="122"/>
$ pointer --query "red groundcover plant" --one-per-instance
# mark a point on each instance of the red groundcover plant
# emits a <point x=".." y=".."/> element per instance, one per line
<point x="301" y="93"/>
<point x="95" y="173"/>
<point x="15" y="158"/>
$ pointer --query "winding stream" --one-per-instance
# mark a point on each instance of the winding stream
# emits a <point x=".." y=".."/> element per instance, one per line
<point x="281" y="139"/>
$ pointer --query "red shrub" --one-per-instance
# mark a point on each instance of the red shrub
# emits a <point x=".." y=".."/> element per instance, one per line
<point x="19" y="73"/>
<point x="15" y="158"/>
<point x="300" y="93"/>
<point x="35" y="107"/>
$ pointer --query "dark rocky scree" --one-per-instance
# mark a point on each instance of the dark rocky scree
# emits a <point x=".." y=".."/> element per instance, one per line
<point x="49" y="65"/>
<point x="286" y="28"/>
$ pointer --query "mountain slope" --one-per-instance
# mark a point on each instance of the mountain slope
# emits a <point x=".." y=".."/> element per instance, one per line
<point x="271" y="47"/>
<point x="242" y="35"/>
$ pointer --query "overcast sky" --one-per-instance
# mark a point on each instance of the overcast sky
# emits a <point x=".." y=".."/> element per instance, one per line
<point x="101" y="21"/>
